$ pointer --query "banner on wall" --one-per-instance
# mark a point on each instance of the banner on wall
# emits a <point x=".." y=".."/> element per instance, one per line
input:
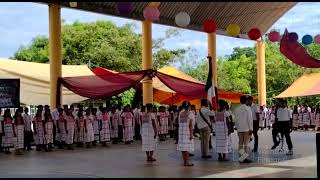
<point x="9" y="93"/>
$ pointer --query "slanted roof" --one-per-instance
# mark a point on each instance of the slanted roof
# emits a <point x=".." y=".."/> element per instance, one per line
<point x="306" y="85"/>
<point x="246" y="14"/>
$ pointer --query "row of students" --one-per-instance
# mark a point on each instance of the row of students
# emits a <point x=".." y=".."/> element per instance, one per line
<point x="304" y="118"/>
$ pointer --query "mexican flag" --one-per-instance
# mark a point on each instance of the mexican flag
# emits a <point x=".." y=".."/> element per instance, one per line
<point x="211" y="89"/>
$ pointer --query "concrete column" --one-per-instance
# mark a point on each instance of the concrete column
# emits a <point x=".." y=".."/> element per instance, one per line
<point x="212" y="53"/>
<point x="147" y="61"/>
<point x="261" y="73"/>
<point x="55" y="44"/>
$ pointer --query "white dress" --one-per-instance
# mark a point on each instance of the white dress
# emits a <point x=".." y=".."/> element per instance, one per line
<point x="81" y="131"/>
<point x="61" y="132"/>
<point x="114" y="122"/>
<point x="20" y="136"/>
<point x="306" y="119"/>
<point x="295" y="120"/>
<point x="90" y="133"/>
<point x="96" y="127"/>
<point x="313" y="119"/>
<point x="164" y="121"/>
<point x="128" y="126"/>
<point x="39" y="136"/>
<point x="8" y="138"/>
<point x="300" y="119"/>
<point x="261" y="119"/>
<point x="49" y="132"/>
<point x="223" y="144"/>
<point x="184" y="142"/>
<point x="70" y="129"/>
<point x="149" y="143"/>
<point x="105" y="129"/>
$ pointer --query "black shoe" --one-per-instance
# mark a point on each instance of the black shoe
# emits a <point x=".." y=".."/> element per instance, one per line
<point x="246" y="161"/>
<point x="289" y="153"/>
<point x="191" y="155"/>
<point x="206" y="157"/>
<point x="274" y="146"/>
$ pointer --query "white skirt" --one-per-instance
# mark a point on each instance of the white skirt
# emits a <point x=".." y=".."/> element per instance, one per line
<point x="20" y="137"/>
<point x="70" y="134"/>
<point x="128" y="132"/>
<point x="149" y="143"/>
<point x="90" y="133"/>
<point x="105" y="131"/>
<point x="49" y="132"/>
<point x="184" y="142"/>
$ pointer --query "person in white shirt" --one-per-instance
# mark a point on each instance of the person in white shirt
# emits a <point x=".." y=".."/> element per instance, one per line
<point x="137" y="120"/>
<point x="205" y="127"/>
<point x="255" y="116"/>
<point x="244" y="125"/>
<point x="285" y="123"/>
<point x="28" y="134"/>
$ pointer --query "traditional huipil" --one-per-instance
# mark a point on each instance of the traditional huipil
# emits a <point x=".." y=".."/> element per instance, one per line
<point x="20" y="136"/>
<point x="223" y="144"/>
<point x="184" y="142"/>
<point x="295" y="120"/>
<point x="115" y="118"/>
<point x="164" y="122"/>
<point x="89" y="127"/>
<point x="149" y="143"/>
<point x="300" y="118"/>
<point x="96" y="127"/>
<point x="306" y="119"/>
<point x="312" y="119"/>
<point x="128" y="126"/>
<point x="317" y="120"/>
<point x="49" y="130"/>
<point x="39" y="134"/>
<point x="105" y="128"/>
<point x="8" y="130"/>
<point x="70" y="129"/>
<point x="61" y="130"/>
<point x="81" y="135"/>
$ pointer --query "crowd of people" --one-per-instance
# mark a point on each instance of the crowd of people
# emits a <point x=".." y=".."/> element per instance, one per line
<point x="67" y="127"/>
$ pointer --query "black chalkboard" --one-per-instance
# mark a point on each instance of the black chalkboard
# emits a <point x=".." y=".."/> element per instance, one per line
<point x="9" y="93"/>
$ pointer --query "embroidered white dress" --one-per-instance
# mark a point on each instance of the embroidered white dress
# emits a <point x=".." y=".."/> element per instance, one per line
<point x="81" y="131"/>
<point x="306" y="119"/>
<point x="40" y="137"/>
<point x="295" y="120"/>
<point x="223" y="144"/>
<point x="115" y="118"/>
<point x="61" y="132"/>
<point x="49" y="131"/>
<point x="164" y="121"/>
<point x="20" y="136"/>
<point x="70" y="129"/>
<point x="89" y="125"/>
<point x="184" y="142"/>
<point x="128" y="126"/>
<point x="8" y="138"/>
<point x="149" y="143"/>
<point x="105" y="128"/>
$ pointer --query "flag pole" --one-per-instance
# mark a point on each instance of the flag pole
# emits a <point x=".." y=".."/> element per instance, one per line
<point x="212" y="78"/>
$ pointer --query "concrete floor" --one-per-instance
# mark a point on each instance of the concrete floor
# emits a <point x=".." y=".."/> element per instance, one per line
<point x="129" y="161"/>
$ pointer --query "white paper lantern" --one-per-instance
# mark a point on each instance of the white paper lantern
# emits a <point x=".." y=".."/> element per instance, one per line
<point x="73" y="4"/>
<point x="182" y="19"/>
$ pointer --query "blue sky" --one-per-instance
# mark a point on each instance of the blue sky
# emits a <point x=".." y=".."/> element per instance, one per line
<point x="21" y="21"/>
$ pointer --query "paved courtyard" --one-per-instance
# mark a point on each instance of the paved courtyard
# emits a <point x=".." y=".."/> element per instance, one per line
<point x="128" y="161"/>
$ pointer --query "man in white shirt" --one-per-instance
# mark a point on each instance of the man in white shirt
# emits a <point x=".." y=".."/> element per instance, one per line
<point x="205" y="127"/>
<point x="255" y="116"/>
<point x="244" y="125"/>
<point x="27" y="129"/>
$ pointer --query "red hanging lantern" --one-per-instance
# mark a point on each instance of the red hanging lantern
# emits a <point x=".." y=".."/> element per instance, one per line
<point x="209" y="26"/>
<point x="254" y="34"/>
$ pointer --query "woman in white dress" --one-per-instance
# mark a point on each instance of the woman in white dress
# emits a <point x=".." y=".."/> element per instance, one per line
<point x="8" y="131"/>
<point x="127" y="121"/>
<point x="88" y="119"/>
<point x="19" y="128"/>
<point x="61" y="129"/>
<point x="48" y="129"/>
<point x="69" y="129"/>
<point x="163" y="118"/>
<point x="223" y="144"/>
<point x="105" y="127"/>
<point x="80" y="130"/>
<point x="185" y="133"/>
<point x="149" y="132"/>
<point x="114" y="121"/>
<point x="306" y="119"/>
<point x="39" y="131"/>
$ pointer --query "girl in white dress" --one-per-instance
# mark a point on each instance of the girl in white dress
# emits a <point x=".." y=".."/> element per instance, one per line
<point x="306" y="119"/>
<point x="223" y="143"/>
<point x="19" y="128"/>
<point x="127" y="121"/>
<point x="48" y="129"/>
<point x="61" y="129"/>
<point x="69" y="129"/>
<point x="185" y="133"/>
<point x="163" y="119"/>
<point x="39" y="131"/>
<point x="261" y="118"/>
<point x="8" y="131"/>
<point x="88" y="119"/>
<point x="295" y="118"/>
<point x="114" y="121"/>
<point x="80" y="130"/>
<point x="105" y="127"/>
<point x="317" y="119"/>
<point x="149" y="132"/>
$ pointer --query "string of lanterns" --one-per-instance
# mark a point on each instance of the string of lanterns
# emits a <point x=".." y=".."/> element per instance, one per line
<point x="182" y="19"/>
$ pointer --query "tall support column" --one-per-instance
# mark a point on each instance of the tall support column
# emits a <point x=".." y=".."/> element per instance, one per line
<point x="147" y="61"/>
<point x="261" y="73"/>
<point x="212" y="53"/>
<point x="55" y="44"/>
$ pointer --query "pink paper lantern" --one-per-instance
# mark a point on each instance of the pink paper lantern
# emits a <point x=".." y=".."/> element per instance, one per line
<point x="151" y="13"/>
<point x="317" y="39"/>
<point x="274" y="36"/>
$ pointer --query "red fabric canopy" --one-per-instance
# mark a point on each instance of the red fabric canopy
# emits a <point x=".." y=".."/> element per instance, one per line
<point x="295" y="52"/>
<point x="102" y="86"/>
